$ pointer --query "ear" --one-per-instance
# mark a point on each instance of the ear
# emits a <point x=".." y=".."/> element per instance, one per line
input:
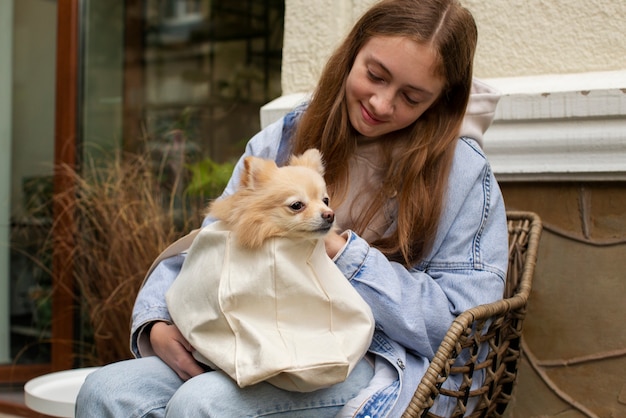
<point x="255" y="171"/>
<point x="311" y="158"/>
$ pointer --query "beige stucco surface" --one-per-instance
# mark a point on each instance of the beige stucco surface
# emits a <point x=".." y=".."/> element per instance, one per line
<point x="516" y="37"/>
<point x="312" y="30"/>
<point x="530" y="37"/>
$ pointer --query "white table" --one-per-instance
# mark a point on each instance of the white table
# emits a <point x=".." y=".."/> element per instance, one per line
<point x="55" y="393"/>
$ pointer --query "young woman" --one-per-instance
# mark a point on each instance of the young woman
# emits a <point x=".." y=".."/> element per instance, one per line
<point x="422" y="224"/>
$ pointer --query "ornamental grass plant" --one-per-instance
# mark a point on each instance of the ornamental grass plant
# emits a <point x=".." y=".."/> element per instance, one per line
<point x="124" y="210"/>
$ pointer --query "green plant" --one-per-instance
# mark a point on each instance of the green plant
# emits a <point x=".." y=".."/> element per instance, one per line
<point x="208" y="178"/>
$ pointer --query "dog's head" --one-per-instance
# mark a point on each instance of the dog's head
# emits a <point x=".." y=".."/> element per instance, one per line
<point x="272" y="201"/>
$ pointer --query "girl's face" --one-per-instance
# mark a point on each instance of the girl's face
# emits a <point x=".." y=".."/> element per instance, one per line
<point x="390" y="85"/>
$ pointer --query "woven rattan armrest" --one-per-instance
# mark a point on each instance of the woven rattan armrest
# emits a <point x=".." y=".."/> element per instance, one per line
<point x="497" y="325"/>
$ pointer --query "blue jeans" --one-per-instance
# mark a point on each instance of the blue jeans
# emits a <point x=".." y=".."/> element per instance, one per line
<point x="147" y="387"/>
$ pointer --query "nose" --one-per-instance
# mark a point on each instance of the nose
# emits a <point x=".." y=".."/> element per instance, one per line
<point x="382" y="102"/>
<point x="328" y="216"/>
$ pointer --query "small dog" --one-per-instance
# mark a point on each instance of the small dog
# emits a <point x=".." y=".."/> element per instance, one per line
<point x="272" y="201"/>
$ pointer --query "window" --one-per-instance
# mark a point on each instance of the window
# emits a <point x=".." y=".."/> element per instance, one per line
<point x="149" y="76"/>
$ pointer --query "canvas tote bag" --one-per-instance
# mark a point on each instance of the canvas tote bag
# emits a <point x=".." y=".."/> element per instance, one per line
<point x="283" y="313"/>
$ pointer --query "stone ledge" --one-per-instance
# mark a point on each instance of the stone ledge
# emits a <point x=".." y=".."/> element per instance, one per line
<point x="568" y="127"/>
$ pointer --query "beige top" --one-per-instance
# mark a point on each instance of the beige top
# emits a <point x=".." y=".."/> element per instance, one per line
<point x="367" y="169"/>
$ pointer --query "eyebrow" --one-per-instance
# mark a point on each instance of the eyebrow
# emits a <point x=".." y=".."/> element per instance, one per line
<point x="409" y="86"/>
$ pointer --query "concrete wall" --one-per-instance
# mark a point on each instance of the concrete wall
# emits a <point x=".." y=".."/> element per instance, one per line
<point x="531" y="37"/>
<point x="516" y="37"/>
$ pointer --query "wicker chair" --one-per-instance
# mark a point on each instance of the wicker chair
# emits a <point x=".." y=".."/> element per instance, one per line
<point x="503" y="322"/>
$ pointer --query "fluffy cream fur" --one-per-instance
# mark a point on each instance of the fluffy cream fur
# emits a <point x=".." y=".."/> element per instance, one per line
<point x="272" y="201"/>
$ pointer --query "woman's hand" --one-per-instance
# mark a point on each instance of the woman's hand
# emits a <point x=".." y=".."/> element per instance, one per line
<point x="334" y="243"/>
<point x="171" y="347"/>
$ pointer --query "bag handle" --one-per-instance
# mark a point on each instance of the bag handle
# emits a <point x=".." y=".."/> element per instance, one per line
<point x="177" y="247"/>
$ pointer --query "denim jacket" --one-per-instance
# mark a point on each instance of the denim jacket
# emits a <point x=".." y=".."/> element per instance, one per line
<point x="413" y="308"/>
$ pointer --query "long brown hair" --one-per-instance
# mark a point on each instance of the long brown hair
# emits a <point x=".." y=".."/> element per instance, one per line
<point x="419" y="172"/>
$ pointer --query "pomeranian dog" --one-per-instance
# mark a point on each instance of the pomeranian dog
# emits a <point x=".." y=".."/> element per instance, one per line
<point x="289" y="201"/>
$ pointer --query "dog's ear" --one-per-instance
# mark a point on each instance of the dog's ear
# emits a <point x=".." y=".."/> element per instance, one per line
<point x="256" y="170"/>
<point x="311" y="158"/>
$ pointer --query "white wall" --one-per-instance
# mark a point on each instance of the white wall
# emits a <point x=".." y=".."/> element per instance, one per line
<point x="533" y="37"/>
<point x="312" y="30"/>
<point x="6" y="54"/>
<point x="516" y="37"/>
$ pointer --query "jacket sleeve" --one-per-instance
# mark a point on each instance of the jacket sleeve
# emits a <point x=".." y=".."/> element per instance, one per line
<point x="466" y="267"/>
<point x="150" y="304"/>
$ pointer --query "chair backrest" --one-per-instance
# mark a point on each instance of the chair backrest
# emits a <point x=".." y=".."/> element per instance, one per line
<point x="497" y="326"/>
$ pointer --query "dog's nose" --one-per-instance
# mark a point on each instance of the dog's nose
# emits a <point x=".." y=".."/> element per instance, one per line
<point x="329" y="216"/>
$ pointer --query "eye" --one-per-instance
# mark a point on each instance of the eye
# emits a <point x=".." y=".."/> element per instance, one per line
<point x="326" y="201"/>
<point x="297" y="206"/>
<point x="374" y="77"/>
<point x="410" y="101"/>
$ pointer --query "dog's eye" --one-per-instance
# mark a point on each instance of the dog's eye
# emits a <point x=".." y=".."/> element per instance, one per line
<point x="326" y="201"/>
<point x="297" y="206"/>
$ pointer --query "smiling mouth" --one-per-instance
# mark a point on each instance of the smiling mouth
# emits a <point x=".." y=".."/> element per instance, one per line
<point x="368" y="117"/>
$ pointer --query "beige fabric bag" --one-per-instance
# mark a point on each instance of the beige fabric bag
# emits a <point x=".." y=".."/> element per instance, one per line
<point x="283" y="313"/>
